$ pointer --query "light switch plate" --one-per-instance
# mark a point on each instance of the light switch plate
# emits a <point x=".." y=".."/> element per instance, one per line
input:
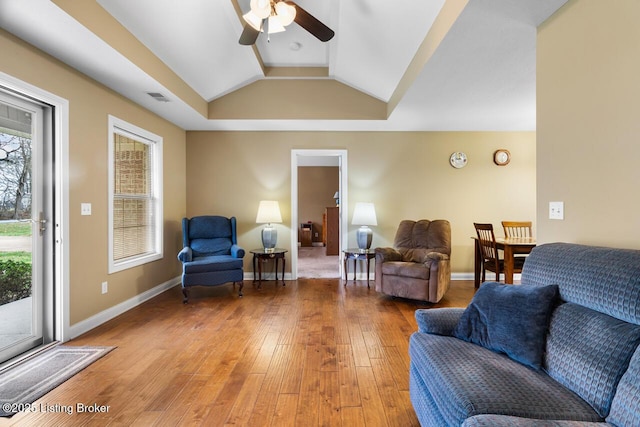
<point x="556" y="210"/>
<point x="85" y="208"/>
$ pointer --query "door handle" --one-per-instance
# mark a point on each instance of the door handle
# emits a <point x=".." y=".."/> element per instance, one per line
<point x="42" y="223"/>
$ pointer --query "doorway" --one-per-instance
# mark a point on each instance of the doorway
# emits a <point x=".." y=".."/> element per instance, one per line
<point x="26" y="246"/>
<point x="49" y="316"/>
<point x="310" y="158"/>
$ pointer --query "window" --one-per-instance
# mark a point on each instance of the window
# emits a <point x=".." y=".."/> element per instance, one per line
<point x="135" y="196"/>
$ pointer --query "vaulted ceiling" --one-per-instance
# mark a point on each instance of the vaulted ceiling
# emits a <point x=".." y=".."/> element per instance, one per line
<point x="402" y="65"/>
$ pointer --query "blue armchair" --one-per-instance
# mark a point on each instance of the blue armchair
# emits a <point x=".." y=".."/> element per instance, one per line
<point x="210" y="255"/>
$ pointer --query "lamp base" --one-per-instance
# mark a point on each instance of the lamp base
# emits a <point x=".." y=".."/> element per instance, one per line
<point x="364" y="235"/>
<point x="269" y="237"/>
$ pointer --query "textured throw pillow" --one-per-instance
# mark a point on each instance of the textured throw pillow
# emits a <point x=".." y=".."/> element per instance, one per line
<point x="510" y="319"/>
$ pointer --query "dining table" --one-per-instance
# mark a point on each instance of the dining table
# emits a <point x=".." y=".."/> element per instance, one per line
<point x="511" y="246"/>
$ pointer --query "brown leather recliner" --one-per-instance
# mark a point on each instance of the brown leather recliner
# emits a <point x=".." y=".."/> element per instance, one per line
<point x="418" y="266"/>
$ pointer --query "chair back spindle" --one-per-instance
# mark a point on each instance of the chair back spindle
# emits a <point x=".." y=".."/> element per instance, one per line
<point x="517" y="229"/>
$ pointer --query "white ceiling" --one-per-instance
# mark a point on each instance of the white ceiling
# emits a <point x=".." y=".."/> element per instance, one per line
<point x="481" y="77"/>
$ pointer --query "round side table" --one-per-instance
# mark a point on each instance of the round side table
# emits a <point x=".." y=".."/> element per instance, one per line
<point x="263" y="255"/>
<point x="356" y="254"/>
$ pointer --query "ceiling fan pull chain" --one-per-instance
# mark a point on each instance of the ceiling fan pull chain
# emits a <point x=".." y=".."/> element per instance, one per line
<point x="266" y="25"/>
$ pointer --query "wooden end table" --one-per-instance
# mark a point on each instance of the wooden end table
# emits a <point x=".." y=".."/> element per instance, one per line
<point x="356" y="254"/>
<point x="262" y="255"/>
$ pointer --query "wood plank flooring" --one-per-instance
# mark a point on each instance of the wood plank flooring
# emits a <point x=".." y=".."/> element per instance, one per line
<point x="312" y="353"/>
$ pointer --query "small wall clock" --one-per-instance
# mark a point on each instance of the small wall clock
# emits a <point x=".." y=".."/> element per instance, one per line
<point x="501" y="157"/>
<point x="458" y="159"/>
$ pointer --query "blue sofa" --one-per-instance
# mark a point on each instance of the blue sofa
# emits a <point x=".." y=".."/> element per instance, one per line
<point x="590" y="367"/>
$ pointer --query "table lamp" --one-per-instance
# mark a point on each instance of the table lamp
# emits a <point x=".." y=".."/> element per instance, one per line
<point x="268" y="212"/>
<point x="364" y="214"/>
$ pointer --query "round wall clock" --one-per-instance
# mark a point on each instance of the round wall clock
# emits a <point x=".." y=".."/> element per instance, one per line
<point x="458" y="159"/>
<point x="501" y="157"/>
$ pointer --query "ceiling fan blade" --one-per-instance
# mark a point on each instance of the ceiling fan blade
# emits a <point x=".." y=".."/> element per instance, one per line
<point x="311" y="24"/>
<point x="249" y="35"/>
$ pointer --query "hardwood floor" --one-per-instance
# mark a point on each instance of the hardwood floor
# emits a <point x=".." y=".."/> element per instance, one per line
<point x="312" y="353"/>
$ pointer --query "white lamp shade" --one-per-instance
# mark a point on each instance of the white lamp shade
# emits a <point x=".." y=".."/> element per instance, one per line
<point x="285" y="12"/>
<point x="268" y="212"/>
<point x="364" y="214"/>
<point x="253" y="20"/>
<point x="261" y="8"/>
<point x="275" y="26"/>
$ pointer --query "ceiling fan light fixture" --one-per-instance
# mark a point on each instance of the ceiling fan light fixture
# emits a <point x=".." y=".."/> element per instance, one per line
<point x="261" y="8"/>
<point x="275" y="26"/>
<point x="281" y="13"/>
<point x="285" y="13"/>
<point x="253" y="20"/>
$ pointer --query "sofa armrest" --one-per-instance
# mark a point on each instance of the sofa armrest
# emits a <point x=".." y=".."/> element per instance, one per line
<point x="237" y="251"/>
<point x="387" y="254"/>
<point x="185" y="255"/>
<point x="498" y="420"/>
<point x="438" y="321"/>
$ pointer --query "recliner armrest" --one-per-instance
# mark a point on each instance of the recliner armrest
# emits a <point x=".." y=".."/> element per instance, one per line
<point x="437" y="256"/>
<point x="387" y="254"/>
<point x="237" y="251"/>
<point x="438" y="321"/>
<point x="185" y="255"/>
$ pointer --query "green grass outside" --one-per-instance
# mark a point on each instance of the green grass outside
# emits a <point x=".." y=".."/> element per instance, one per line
<point x="15" y="229"/>
<point x="16" y="256"/>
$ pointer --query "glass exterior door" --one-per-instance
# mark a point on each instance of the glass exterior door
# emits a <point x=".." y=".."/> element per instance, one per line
<point x="23" y="224"/>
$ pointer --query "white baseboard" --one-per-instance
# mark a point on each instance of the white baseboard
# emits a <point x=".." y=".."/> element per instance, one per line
<point x="490" y="277"/>
<point x="108" y="314"/>
<point x="372" y="276"/>
<point x="461" y="276"/>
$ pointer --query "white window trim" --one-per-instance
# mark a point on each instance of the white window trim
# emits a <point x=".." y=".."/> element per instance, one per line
<point x="156" y="144"/>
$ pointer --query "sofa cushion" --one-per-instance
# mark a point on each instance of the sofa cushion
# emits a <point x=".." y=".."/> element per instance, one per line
<point x="625" y="408"/>
<point x="465" y="379"/>
<point x="604" y="279"/>
<point x="510" y="319"/>
<point x="588" y="352"/>
<point x="406" y="269"/>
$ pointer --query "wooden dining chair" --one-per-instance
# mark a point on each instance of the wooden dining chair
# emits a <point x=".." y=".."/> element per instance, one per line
<point x="517" y="228"/>
<point x="489" y="252"/>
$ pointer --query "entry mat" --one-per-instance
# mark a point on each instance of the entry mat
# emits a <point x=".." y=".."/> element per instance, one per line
<point x="24" y="383"/>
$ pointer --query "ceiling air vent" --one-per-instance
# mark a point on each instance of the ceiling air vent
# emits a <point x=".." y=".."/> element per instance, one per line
<point x="158" y="96"/>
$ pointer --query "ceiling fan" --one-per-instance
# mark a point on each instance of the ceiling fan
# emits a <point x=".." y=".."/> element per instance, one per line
<point x="274" y="15"/>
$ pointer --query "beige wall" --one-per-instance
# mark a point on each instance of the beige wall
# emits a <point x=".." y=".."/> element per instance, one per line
<point x="89" y="105"/>
<point x="405" y="174"/>
<point x="316" y="187"/>
<point x="588" y="83"/>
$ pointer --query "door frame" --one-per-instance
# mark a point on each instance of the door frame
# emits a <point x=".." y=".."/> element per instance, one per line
<point x="57" y="302"/>
<point x="296" y="154"/>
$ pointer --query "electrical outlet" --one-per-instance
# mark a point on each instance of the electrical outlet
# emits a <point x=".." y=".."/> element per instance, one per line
<point x="105" y="287"/>
<point x="556" y="210"/>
